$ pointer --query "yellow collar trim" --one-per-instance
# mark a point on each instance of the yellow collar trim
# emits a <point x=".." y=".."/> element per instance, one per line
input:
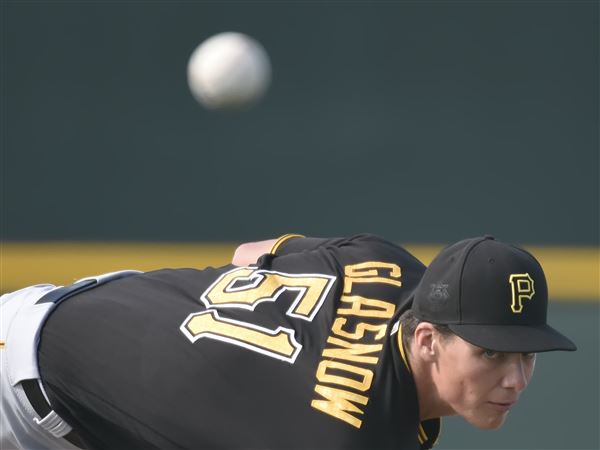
<point x="282" y="239"/>
<point x="401" y="347"/>
<point x="421" y="435"/>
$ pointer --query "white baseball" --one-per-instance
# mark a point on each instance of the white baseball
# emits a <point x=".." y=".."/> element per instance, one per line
<point x="229" y="71"/>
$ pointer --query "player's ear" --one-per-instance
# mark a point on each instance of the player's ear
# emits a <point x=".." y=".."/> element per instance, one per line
<point x="425" y="339"/>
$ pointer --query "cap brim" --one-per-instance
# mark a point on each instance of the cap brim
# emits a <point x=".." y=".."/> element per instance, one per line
<point x="514" y="338"/>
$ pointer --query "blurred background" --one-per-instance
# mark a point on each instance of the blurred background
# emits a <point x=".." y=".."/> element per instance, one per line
<point x="424" y="122"/>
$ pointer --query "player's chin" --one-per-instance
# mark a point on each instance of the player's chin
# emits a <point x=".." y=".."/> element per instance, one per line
<point x="486" y="422"/>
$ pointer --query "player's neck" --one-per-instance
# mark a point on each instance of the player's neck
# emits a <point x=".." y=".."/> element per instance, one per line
<point x="430" y="403"/>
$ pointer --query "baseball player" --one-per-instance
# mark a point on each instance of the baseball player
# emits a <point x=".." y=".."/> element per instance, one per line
<point x="300" y="343"/>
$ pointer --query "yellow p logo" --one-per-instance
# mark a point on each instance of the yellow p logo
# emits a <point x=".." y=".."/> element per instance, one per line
<point x="521" y="285"/>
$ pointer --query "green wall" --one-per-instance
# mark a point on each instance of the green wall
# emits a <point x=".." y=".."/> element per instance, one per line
<point x="420" y="121"/>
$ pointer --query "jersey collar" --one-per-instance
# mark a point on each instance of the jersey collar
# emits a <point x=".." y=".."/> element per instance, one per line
<point x="429" y="430"/>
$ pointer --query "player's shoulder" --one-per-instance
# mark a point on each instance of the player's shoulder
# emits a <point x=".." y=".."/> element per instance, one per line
<point x="352" y="249"/>
<point x="370" y="237"/>
<point x="381" y="245"/>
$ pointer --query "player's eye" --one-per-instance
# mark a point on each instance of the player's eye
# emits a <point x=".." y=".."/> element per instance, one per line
<point x="529" y="355"/>
<point x="491" y="354"/>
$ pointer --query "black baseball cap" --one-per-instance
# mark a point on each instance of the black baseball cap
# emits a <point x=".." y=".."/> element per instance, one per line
<point x="491" y="294"/>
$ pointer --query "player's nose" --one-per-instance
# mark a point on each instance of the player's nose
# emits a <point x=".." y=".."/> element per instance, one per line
<point x="517" y="374"/>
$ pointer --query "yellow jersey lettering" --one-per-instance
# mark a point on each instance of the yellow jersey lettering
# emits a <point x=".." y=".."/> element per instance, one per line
<point x="366" y="307"/>
<point x="246" y="287"/>
<point x="344" y="372"/>
<point x="340" y="404"/>
<point x="359" y="321"/>
<point x="280" y="344"/>
<point x="359" y="331"/>
<point x="351" y="351"/>
<point x="369" y="272"/>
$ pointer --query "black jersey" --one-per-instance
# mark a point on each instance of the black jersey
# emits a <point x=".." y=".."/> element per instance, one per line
<point x="298" y="351"/>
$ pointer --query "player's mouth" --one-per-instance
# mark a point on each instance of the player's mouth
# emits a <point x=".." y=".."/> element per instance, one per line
<point x="502" y="407"/>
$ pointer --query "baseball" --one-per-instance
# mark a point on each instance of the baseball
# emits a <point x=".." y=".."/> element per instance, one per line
<point x="229" y="71"/>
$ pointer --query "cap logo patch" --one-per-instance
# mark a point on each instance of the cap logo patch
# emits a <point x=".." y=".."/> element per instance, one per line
<point x="439" y="291"/>
<point x="521" y="285"/>
<point x="438" y="296"/>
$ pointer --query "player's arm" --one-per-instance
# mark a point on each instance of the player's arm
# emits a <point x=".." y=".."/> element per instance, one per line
<point x="250" y="252"/>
